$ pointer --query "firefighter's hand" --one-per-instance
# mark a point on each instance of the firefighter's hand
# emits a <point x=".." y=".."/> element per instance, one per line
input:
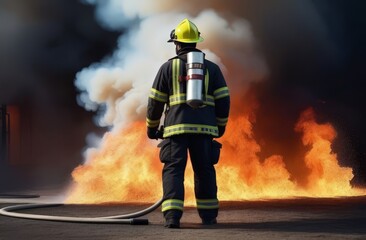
<point x="159" y="134"/>
<point x="154" y="133"/>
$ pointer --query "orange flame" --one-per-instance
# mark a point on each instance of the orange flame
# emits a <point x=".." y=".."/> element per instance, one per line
<point x="126" y="167"/>
<point x="326" y="177"/>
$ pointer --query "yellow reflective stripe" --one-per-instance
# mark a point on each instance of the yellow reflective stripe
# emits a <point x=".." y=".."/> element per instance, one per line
<point x="206" y="82"/>
<point x="221" y="121"/>
<point x="190" y="128"/>
<point x="207" y="203"/>
<point x="221" y="92"/>
<point x="152" y="123"/>
<point x="176" y="65"/>
<point x="181" y="98"/>
<point x="159" y="96"/>
<point x="177" y="99"/>
<point x="209" y="100"/>
<point x="172" y="204"/>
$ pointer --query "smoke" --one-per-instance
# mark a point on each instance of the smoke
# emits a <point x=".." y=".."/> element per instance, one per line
<point x="118" y="86"/>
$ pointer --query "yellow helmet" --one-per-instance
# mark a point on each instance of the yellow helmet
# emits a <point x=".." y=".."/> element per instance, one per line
<point x="185" y="32"/>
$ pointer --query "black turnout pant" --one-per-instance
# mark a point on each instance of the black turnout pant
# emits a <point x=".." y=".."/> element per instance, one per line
<point x="173" y="154"/>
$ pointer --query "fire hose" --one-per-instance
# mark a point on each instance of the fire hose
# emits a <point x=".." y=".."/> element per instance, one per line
<point x="131" y="218"/>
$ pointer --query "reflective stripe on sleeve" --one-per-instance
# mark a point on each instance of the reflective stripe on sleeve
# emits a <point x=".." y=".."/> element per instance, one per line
<point x="221" y="92"/>
<point x="170" y="204"/>
<point x="221" y="121"/>
<point x="152" y="123"/>
<point x="159" y="96"/>
<point x="207" y="203"/>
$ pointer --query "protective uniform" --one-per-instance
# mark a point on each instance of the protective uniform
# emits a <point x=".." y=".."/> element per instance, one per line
<point x="187" y="128"/>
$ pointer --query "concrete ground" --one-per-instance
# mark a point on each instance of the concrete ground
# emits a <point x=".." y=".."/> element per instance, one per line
<point x="305" y="218"/>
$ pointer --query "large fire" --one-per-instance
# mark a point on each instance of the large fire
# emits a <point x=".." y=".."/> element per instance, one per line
<point x="126" y="167"/>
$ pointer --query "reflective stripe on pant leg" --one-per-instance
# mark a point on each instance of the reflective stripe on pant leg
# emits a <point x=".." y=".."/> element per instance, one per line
<point x="171" y="204"/>
<point x="174" y="166"/>
<point x="207" y="203"/>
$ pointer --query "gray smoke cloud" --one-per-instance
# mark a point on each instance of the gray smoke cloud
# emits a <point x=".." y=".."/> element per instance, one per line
<point x="121" y="83"/>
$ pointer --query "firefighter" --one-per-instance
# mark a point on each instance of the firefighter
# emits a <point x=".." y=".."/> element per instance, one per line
<point x="188" y="127"/>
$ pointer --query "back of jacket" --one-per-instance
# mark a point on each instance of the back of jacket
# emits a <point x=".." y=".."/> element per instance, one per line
<point x="169" y="92"/>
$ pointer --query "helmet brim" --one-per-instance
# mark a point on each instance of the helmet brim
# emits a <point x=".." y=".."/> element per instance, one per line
<point x="200" y="39"/>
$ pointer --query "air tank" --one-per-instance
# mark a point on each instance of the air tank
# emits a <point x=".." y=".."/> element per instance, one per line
<point x="195" y="77"/>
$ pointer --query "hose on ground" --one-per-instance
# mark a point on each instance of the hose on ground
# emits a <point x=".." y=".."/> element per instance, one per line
<point x="131" y="218"/>
<point x="10" y="195"/>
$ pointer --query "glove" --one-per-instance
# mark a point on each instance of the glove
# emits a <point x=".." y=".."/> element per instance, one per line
<point x="221" y="131"/>
<point x="159" y="134"/>
<point x="151" y="133"/>
<point x="154" y="133"/>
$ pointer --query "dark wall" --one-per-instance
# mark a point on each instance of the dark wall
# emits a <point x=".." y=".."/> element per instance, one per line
<point x="43" y="45"/>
